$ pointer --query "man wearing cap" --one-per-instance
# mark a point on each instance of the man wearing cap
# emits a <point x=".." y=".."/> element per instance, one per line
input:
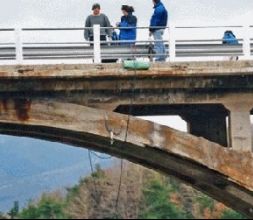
<point x="97" y="18"/>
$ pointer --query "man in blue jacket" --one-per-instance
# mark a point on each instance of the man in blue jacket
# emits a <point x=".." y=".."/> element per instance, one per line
<point x="158" y="24"/>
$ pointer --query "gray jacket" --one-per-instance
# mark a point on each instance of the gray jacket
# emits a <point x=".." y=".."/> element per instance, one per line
<point x="101" y="20"/>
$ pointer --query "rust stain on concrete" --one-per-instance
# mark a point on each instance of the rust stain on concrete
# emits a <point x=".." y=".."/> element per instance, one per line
<point x="5" y="105"/>
<point x="235" y="165"/>
<point x="22" y="108"/>
<point x="25" y="70"/>
<point x="183" y="144"/>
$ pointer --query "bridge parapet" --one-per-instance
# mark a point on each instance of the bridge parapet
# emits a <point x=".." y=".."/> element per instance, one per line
<point x="26" y="47"/>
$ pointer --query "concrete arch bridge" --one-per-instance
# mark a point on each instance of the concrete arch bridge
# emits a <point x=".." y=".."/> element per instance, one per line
<point x="94" y="106"/>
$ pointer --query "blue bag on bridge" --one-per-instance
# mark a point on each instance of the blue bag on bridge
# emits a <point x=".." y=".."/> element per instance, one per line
<point x="230" y="39"/>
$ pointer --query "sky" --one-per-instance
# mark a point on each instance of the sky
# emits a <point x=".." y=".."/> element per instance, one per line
<point x="62" y="13"/>
<point x="72" y="13"/>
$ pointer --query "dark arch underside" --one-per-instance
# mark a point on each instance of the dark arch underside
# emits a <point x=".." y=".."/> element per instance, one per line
<point x="201" y="178"/>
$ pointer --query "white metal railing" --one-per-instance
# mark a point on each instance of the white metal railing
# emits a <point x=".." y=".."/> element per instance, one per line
<point x="180" y="47"/>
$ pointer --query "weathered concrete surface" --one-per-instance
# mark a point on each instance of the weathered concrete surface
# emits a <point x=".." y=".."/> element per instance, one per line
<point x="223" y="173"/>
<point x="108" y="86"/>
<point x="100" y="73"/>
<point x="104" y="70"/>
<point x="240" y="126"/>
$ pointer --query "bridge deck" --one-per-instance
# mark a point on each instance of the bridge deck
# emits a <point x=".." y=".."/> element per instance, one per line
<point x="165" y="83"/>
<point x="109" y="86"/>
<point x="115" y="70"/>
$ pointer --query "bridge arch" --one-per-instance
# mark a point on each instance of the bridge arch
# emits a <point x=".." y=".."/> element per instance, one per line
<point x="222" y="173"/>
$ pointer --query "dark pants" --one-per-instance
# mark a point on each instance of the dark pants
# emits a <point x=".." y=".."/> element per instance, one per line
<point x="103" y="38"/>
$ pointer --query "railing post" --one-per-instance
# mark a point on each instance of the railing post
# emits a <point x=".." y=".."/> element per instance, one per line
<point x="172" y="43"/>
<point x="97" y="44"/>
<point x="246" y="43"/>
<point x="19" y="45"/>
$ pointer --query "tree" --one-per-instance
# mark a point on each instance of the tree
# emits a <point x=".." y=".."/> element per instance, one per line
<point x="157" y="204"/>
<point x="230" y="214"/>
<point x="13" y="213"/>
<point x="49" y="207"/>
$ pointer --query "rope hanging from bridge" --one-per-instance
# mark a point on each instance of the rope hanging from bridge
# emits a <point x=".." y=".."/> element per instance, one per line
<point x="133" y="49"/>
<point x="94" y="196"/>
<point x="132" y="97"/>
<point x="101" y="157"/>
<point x="113" y="132"/>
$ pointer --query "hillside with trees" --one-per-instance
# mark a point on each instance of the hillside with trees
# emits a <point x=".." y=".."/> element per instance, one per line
<point x="142" y="194"/>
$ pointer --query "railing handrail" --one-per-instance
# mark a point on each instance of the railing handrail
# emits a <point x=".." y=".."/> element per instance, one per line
<point x="209" y="26"/>
<point x="116" y="27"/>
<point x="90" y="28"/>
<point x="245" y="42"/>
<point x="7" y="29"/>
